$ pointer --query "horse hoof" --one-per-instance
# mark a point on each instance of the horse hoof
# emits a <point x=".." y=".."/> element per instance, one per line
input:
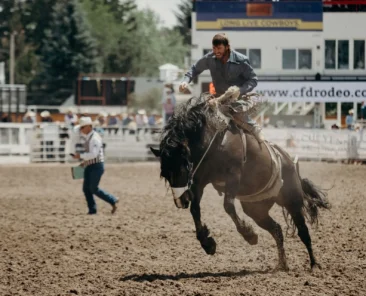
<point x="316" y="267"/>
<point x="209" y="246"/>
<point x="252" y="239"/>
<point x="282" y="267"/>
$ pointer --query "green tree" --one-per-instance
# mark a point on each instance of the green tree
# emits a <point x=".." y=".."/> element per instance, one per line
<point x="123" y="12"/>
<point x="154" y="46"/>
<point x="68" y="47"/>
<point x="12" y="14"/>
<point x="36" y="21"/>
<point x="184" y="16"/>
<point x="110" y="34"/>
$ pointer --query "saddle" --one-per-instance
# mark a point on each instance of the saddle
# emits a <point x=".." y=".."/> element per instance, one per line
<point x="275" y="182"/>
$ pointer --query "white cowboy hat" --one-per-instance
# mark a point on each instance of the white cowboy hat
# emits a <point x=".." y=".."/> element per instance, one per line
<point x="85" y="121"/>
<point x="113" y="114"/>
<point x="45" y="113"/>
<point x="141" y="112"/>
<point x="30" y="113"/>
<point x="350" y="111"/>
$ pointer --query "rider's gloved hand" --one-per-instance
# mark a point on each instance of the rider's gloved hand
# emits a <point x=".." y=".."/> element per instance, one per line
<point x="212" y="102"/>
<point x="183" y="86"/>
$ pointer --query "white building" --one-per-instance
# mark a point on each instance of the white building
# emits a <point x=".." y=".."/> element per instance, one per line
<point x="302" y="55"/>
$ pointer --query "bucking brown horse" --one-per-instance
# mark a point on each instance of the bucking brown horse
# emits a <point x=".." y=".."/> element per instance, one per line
<point x="199" y="148"/>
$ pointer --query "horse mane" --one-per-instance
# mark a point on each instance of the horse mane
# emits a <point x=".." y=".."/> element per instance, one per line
<point x="188" y="119"/>
<point x="191" y="117"/>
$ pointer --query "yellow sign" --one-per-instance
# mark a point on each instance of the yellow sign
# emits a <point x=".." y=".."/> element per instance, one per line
<point x="258" y="23"/>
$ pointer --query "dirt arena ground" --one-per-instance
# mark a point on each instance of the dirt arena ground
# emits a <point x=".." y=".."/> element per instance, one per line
<point x="49" y="246"/>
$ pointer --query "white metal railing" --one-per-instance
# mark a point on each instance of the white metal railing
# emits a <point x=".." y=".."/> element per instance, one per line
<point x="15" y="138"/>
<point x="50" y="143"/>
<point x="121" y="143"/>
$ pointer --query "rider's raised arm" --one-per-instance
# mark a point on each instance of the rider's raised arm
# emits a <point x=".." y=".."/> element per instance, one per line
<point x="249" y="76"/>
<point x="196" y="69"/>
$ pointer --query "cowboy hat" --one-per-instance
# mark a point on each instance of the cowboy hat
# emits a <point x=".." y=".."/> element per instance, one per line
<point x="45" y="113"/>
<point x="30" y="113"/>
<point x="85" y="121"/>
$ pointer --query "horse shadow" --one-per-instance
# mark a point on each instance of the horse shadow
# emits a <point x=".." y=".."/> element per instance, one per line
<point x="199" y="275"/>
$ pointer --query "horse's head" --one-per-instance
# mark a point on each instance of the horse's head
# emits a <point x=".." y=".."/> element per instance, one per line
<point x="182" y="140"/>
<point x="176" y="169"/>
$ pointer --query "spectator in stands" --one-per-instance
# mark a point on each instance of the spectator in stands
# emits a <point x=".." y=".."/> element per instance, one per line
<point x="353" y="145"/>
<point x="169" y="91"/>
<point x="126" y="119"/>
<point x="102" y="118"/>
<point x="98" y="128"/>
<point x="5" y="118"/>
<point x="29" y="117"/>
<point x="152" y="120"/>
<point x="70" y="118"/>
<point x="349" y="119"/>
<point x="46" y="116"/>
<point x="363" y="110"/>
<point x="132" y="126"/>
<point x="141" y="122"/>
<point x="113" y="122"/>
<point x="168" y="108"/>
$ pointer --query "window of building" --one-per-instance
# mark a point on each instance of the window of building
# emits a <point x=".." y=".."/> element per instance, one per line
<point x="289" y="59"/>
<point x="255" y="58"/>
<point x="242" y="50"/>
<point x="304" y="59"/>
<point x="359" y="54"/>
<point x="293" y="59"/>
<point x="343" y="54"/>
<point x="330" y="53"/>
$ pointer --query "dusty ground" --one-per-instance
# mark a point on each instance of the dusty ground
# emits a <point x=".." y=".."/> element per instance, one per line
<point x="50" y="247"/>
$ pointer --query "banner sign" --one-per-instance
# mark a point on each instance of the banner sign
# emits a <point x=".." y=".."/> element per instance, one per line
<point x="315" y="91"/>
<point x="266" y="15"/>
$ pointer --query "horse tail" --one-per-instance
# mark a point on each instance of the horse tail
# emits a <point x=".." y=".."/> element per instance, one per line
<point x="314" y="199"/>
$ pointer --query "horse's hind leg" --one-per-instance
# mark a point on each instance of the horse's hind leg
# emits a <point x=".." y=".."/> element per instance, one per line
<point x="243" y="228"/>
<point x="259" y="213"/>
<point x="295" y="210"/>
<point x="291" y="197"/>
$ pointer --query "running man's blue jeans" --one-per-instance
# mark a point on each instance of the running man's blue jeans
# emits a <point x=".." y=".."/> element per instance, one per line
<point x="92" y="175"/>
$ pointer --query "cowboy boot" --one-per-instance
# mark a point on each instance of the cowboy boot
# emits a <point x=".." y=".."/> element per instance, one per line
<point x="251" y="126"/>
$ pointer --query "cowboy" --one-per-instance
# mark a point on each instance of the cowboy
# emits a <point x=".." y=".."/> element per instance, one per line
<point x="350" y="119"/>
<point x="93" y="162"/>
<point x="228" y="68"/>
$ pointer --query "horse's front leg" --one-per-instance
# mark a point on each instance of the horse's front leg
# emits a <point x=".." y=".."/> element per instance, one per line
<point x="231" y="190"/>
<point x="202" y="232"/>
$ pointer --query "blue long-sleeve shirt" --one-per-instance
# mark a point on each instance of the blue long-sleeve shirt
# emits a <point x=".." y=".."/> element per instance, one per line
<point x="237" y="71"/>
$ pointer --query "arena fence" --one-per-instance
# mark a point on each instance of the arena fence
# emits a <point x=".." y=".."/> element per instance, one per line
<point x="50" y="142"/>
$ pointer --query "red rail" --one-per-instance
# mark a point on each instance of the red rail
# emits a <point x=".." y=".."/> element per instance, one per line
<point x="344" y="2"/>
